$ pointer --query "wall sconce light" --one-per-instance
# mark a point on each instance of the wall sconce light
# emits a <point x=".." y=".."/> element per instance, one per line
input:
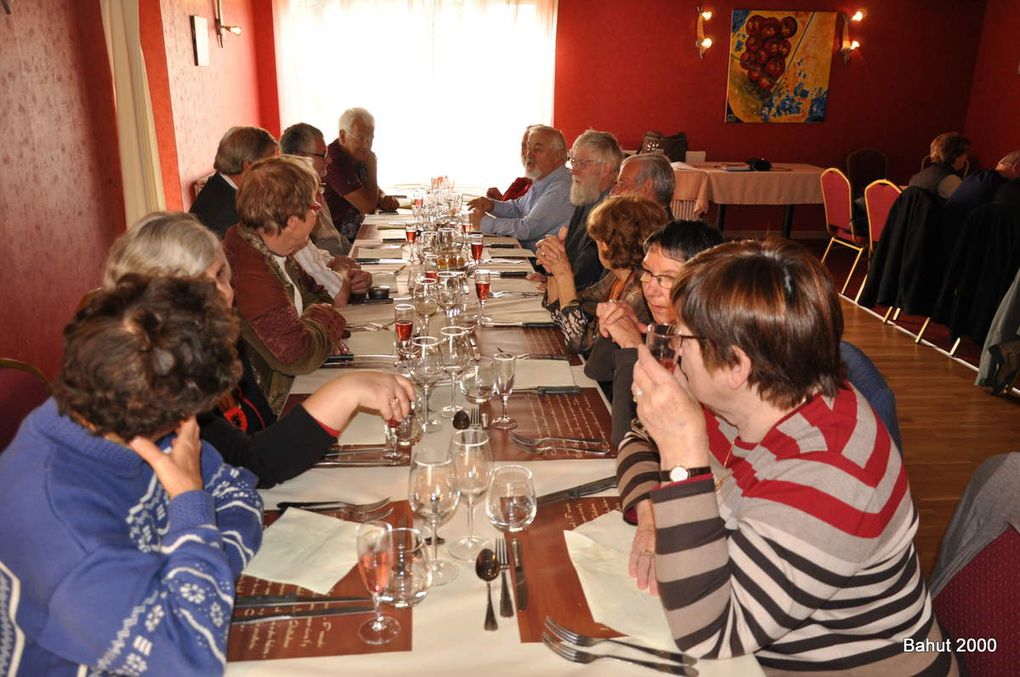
<point x="846" y="44"/>
<point x="221" y="27"/>
<point x="703" y="42"/>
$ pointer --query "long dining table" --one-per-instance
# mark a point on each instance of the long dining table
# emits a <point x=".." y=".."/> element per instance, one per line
<point x="444" y="634"/>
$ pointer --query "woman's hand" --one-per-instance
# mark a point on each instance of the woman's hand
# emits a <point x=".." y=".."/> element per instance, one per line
<point x="181" y="469"/>
<point x="618" y="321"/>
<point x="552" y="254"/>
<point x="669" y="412"/>
<point x="361" y="281"/>
<point x="642" y="550"/>
<point x="334" y="403"/>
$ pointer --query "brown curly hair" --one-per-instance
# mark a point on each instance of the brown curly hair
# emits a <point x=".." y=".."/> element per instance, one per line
<point x="274" y="190"/>
<point x="622" y="223"/>
<point x="147" y="354"/>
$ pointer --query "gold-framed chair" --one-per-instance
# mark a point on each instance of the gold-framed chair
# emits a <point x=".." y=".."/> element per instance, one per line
<point x="837" y="200"/>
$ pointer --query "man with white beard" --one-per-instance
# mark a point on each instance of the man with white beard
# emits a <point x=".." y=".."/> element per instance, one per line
<point x="545" y="207"/>
<point x="594" y="165"/>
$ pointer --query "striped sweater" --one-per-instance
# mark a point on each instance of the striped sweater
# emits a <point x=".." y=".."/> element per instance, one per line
<point x="805" y="555"/>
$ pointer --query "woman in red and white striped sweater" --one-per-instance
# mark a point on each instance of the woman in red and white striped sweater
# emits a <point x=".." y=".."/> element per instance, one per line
<point x="783" y="521"/>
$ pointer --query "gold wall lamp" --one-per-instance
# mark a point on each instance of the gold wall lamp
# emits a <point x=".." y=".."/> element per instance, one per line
<point x="703" y="42"/>
<point x="847" y="45"/>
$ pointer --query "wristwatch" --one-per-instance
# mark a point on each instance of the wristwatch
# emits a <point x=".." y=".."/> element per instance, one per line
<point x="680" y="473"/>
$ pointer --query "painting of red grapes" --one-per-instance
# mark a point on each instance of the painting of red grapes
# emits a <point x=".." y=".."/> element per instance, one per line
<point x="779" y="66"/>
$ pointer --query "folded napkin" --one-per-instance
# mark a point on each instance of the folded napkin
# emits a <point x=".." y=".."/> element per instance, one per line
<point x="517" y="309"/>
<point x="534" y="373"/>
<point x="499" y="239"/>
<point x="368" y="312"/>
<point x="307" y="549"/>
<point x="370" y="343"/>
<point x="518" y="253"/>
<point x="513" y="284"/>
<point x="383" y="252"/>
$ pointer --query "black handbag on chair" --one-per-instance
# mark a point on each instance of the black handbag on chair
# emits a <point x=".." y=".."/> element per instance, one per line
<point x="674" y="147"/>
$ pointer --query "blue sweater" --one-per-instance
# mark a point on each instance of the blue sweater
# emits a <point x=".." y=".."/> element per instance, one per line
<point x="99" y="568"/>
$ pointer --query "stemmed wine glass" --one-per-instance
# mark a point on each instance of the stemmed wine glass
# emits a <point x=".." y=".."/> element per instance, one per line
<point x="511" y="504"/>
<point x="411" y="574"/>
<point x="403" y="434"/>
<point x="448" y="293"/>
<point x="483" y="281"/>
<point x="375" y="557"/>
<point x="472" y="467"/>
<point x="504" y="365"/>
<point x="661" y="341"/>
<point x="426" y="369"/>
<point x="425" y="301"/>
<point x="478" y="381"/>
<point x="455" y="354"/>
<point x="477" y="246"/>
<point x="403" y="329"/>
<point x="433" y="496"/>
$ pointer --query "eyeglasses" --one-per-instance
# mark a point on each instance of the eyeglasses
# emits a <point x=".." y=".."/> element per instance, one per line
<point x="681" y="337"/>
<point x="574" y="163"/>
<point x="664" y="281"/>
<point x="316" y="207"/>
<point x="308" y="153"/>
<point x="362" y="139"/>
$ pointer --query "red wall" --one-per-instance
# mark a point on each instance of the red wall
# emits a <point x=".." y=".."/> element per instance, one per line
<point x="993" y="116"/>
<point x="632" y="67"/>
<point x="61" y="201"/>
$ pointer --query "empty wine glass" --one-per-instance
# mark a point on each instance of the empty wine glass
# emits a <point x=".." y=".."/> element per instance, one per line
<point x="510" y="503"/>
<point x="448" y="293"/>
<point x="455" y="353"/>
<point x="403" y="329"/>
<point x="472" y="467"/>
<point x="426" y="370"/>
<point x="483" y="281"/>
<point x="433" y="496"/>
<point x="478" y="381"/>
<point x="661" y="341"/>
<point x="411" y="573"/>
<point x="375" y="557"/>
<point x="425" y="301"/>
<point x="504" y="365"/>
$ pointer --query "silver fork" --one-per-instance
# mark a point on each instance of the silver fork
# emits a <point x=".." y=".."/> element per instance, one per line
<point x="578" y="656"/>
<point x="475" y="417"/>
<point x="541" y="449"/>
<point x="524" y="440"/>
<point x="566" y="635"/>
<point x="506" y="607"/>
<point x="334" y="505"/>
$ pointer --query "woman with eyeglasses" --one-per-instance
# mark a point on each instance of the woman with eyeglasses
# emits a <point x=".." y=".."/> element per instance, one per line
<point x="289" y="322"/>
<point x="621" y="330"/>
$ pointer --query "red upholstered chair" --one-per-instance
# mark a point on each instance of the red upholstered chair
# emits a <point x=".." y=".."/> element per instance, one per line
<point x="879" y="197"/>
<point x="836" y="196"/>
<point x="22" y="389"/>
<point x="980" y="601"/>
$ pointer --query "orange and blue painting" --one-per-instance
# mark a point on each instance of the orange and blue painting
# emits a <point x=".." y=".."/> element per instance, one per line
<point x="779" y="66"/>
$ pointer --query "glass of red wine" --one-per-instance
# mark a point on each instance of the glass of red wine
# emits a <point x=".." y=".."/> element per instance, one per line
<point x="477" y="241"/>
<point x="375" y="559"/>
<point x="483" y="283"/>
<point x="403" y="328"/>
<point x="661" y="340"/>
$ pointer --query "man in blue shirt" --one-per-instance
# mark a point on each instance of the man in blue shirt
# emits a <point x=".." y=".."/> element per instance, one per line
<point x="545" y="208"/>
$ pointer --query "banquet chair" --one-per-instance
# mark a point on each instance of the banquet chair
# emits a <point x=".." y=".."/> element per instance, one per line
<point x="22" y="389"/>
<point x="863" y="167"/>
<point x="836" y="197"/>
<point x="879" y="197"/>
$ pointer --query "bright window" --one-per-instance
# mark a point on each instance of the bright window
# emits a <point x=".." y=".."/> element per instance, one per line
<point x="452" y="83"/>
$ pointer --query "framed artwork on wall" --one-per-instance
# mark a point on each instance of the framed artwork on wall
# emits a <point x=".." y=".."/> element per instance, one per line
<point x="779" y="65"/>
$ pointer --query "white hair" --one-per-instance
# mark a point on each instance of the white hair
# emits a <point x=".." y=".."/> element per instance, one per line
<point x="352" y="115"/>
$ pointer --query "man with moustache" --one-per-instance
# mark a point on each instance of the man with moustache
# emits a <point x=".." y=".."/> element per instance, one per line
<point x="545" y="207"/>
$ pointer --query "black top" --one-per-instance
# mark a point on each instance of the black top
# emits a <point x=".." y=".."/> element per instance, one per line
<point x="976" y="190"/>
<point x="581" y="250"/>
<point x="216" y="205"/>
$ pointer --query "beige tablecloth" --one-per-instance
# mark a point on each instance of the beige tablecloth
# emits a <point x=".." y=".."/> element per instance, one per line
<point x="787" y="184"/>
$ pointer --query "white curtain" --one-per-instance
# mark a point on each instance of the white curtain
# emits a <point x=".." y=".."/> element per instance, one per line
<point x="136" y="131"/>
<point x="452" y="83"/>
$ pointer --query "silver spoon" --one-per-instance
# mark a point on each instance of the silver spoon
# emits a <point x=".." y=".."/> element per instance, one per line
<point x="487" y="568"/>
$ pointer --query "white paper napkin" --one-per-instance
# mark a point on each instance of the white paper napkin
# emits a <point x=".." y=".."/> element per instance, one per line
<point x="368" y="312"/>
<point x="370" y="342"/>
<point x="517" y="309"/>
<point x="307" y="549"/>
<point x="382" y="252"/>
<point x="513" y="284"/>
<point x="534" y="373"/>
<point x="507" y="253"/>
<point x="366" y="427"/>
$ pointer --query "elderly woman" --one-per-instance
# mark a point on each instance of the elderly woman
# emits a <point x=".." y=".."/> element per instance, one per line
<point x="948" y="155"/>
<point x="621" y="331"/>
<point x="123" y="533"/>
<point x="784" y="522"/>
<point x="618" y="226"/>
<point x="286" y="318"/>
<point x="241" y="426"/>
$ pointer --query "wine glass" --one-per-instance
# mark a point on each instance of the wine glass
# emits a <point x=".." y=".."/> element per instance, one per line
<point x="403" y="434"/>
<point x="510" y="504"/>
<point x="472" y="467"/>
<point x="477" y="246"/>
<point x="411" y="573"/>
<point x="661" y="342"/>
<point x="455" y="354"/>
<point x="433" y="496"/>
<point x="483" y="281"/>
<point x="478" y="381"/>
<point x="375" y="557"/>
<point x="403" y="329"/>
<point x="425" y="301"/>
<point x="504" y="365"/>
<point x="448" y="290"/>
<point x="426" y="369"/>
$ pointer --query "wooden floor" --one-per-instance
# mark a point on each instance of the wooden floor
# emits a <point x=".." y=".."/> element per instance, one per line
<point x="949" y="425"/>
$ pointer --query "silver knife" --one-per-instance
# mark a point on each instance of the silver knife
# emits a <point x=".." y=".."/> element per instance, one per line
<point x="551" y="390"/>
<point x="519" y="583"/>
<point x="291" y="600"/>
<point x="303" y="613"/>
<point x="574" y="493"/>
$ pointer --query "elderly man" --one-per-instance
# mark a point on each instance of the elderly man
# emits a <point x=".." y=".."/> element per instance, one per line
<point x="594" y="165"/>
<point x="352" y="189"/>
<point x="648" y="175"/>
<point x="238" y="150"/>
<point x="981" y="187"/>
<point x="546" y="207"/>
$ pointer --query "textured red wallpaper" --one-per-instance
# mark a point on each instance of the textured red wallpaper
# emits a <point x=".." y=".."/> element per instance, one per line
<point x="632" y="67"/>
<point x="61" y="201"/>
<point x="993" y="116"/>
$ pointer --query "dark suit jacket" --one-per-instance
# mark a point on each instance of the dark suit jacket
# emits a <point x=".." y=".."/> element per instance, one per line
<point x="216" y="205"/>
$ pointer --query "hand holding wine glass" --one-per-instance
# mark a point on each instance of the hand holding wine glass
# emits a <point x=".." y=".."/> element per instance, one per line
<point x="661" y="340"/>
<point x="375" y="557"/>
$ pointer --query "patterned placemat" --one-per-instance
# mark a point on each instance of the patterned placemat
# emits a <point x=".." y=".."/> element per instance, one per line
<point x="545" y="341"/>
<point x="553" y="587"/>
<point x="316" y="636"/>
<point x="582" y="415"/>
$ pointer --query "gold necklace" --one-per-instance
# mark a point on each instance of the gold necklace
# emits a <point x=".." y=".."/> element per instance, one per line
<point x="722" y="478"/>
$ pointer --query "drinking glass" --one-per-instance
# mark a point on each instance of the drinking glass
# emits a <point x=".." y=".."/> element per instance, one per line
<point x="426" y="370"/>
<point x="510" y="504"/>
<point x="425" y="301"/>
<point x="448" y="290"/>
<point x="455" y="354"/>
<point x="403" y="434"/>
<point x="477" y="246"/>
<point x="433" y="496"/>
<point x="411" y="573"/>
<point x="375" y="557"/>
<point x="504" y="365"/>
<point x="403" y="329"/>
<point x="478" y="381"/>
<point x="411" y="233"/>
<point x="661" y="341"/>
<point x="472" y="467"/>
<point x="483" y="282"/>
